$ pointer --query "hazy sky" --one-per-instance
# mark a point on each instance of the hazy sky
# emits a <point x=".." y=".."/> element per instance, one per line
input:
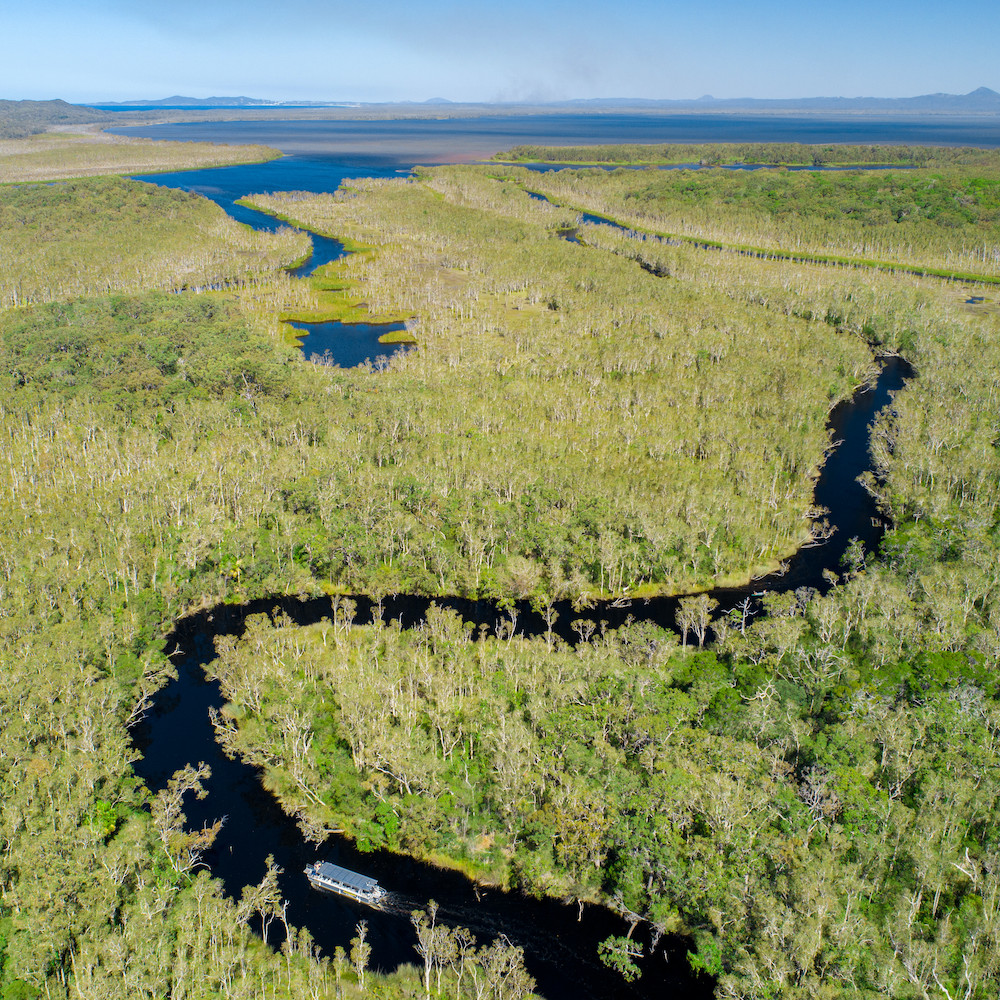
<point x="515" y="50"/>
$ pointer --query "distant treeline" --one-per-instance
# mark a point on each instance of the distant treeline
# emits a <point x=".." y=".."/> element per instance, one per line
<point x="21" y="118"/>
<point x="790" y="154"/>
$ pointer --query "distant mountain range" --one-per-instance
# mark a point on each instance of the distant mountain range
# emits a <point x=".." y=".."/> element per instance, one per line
<point x="978" y="101"/>
<point x="215" y="102"/>
<point x="21" y="118"/>
<point x="244" y="102"/>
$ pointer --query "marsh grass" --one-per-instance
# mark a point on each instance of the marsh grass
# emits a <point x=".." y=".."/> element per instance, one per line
<point x="58" y="156"/>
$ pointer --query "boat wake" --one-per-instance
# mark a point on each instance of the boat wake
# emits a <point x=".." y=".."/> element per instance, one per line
<point x="400" y="904"/>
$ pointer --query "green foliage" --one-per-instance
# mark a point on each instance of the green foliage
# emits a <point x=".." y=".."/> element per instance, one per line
<point x="935" y="220"/>
<point x="751" y="154"/>
<point x="91" y="237"/>
<point x="397" y="337"/>
<point x="381" y="831"/>
<point x="18" y="989"/>
<point x="620" y="953"/>
<point x="708" y="958"/>
<point x="138" y="352"/>
<point x="104" y="819"/>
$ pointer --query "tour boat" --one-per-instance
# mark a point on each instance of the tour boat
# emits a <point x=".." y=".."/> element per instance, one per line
<point x="333" y="878"/>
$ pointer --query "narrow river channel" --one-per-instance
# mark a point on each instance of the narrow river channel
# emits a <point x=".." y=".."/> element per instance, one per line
<point x="560" y="945"/>
<point x="560" y="940"/>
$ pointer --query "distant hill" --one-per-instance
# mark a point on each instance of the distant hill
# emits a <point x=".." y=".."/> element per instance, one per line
<point x="192" y="102"/>
<point x="21" y="118"/>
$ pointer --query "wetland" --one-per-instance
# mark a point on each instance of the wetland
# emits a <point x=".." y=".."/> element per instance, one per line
<point x="580" y="597"/>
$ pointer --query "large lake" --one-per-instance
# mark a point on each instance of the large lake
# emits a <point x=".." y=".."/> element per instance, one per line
<point x="389" y="144"/>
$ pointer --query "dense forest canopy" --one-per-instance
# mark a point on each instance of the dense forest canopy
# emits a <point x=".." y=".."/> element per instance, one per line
<point x="767" y="154"/>
<point x="546" y="462"/>
<point x="795" y="808"/>
<point x="812" y="797"/>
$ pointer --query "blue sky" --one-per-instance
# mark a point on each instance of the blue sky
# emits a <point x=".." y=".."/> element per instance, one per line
<point x="517" y="50"/>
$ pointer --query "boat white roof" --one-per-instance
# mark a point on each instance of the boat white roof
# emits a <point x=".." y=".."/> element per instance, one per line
<point x="346" y="877"/>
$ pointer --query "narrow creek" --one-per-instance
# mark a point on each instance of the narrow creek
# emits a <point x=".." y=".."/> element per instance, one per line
<point x="572" y="234"/>
<point x="560" y="940"/>
<point x="343" y="345"/>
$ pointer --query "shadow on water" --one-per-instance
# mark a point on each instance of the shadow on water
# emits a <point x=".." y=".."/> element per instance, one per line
<point x="560" y="943"/>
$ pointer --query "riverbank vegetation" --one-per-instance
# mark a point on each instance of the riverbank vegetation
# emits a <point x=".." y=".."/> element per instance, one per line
<point x="812" y="797"/>
<point x="943" y="218"/>
<point x="812" y="818"/>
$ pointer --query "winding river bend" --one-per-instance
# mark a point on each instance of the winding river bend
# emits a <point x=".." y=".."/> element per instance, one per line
<point x="560" y="940"/>
<point x="560" y="943"/>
